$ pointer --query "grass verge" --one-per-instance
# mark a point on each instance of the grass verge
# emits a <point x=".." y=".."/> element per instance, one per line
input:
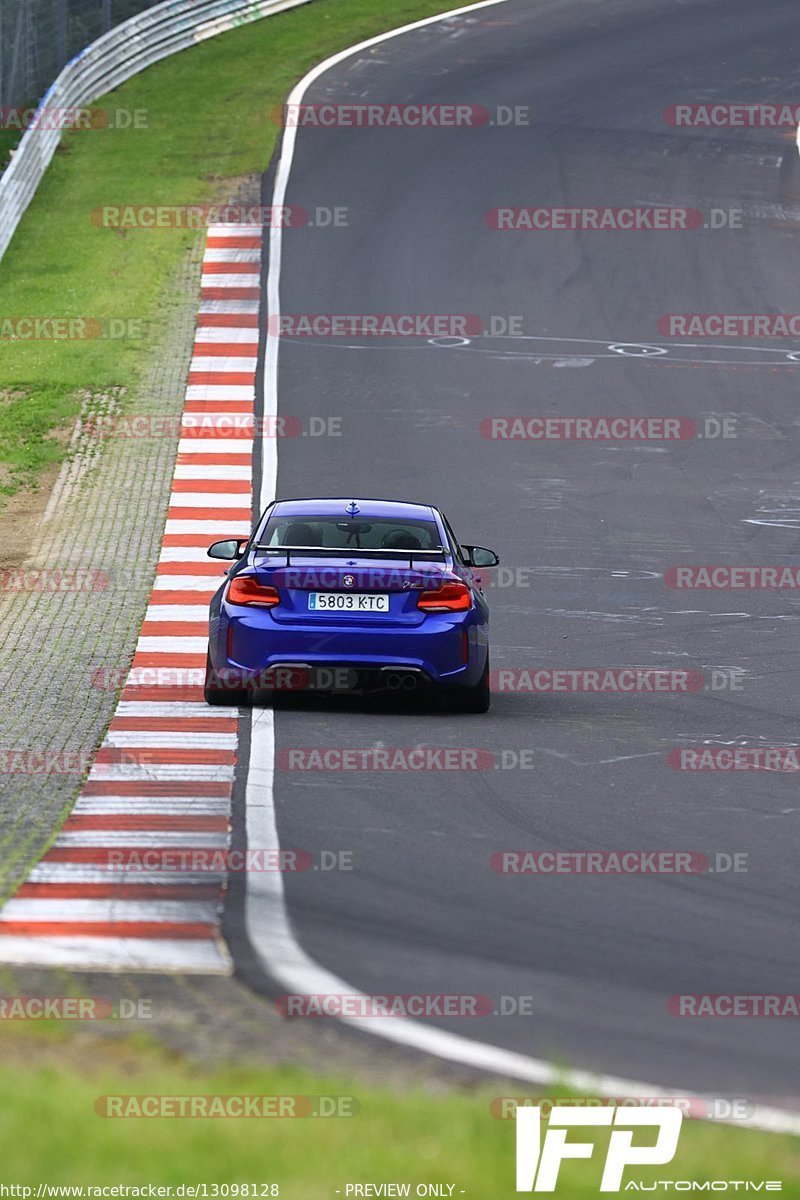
<point x="34" y="433"/>
<point x="54" y="1076"/>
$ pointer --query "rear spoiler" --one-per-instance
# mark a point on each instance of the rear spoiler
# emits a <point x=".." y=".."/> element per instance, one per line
<point x="350" y="552"/>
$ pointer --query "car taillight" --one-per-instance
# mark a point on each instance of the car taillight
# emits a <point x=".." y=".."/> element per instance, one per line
<point x="450" y="597"/>
<point x="243" y="589"/>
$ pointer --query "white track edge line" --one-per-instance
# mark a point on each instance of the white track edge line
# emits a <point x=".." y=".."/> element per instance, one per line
<point x="266" y="916"/>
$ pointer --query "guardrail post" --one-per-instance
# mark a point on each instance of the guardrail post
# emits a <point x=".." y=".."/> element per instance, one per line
<point x="20" y="56"/>
<point x="2" y="64"/>
<point x="61" y="32"/>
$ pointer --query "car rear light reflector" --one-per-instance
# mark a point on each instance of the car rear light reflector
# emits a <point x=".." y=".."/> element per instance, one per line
<point x="244" y="589"/>
<point x="450" y="597"/>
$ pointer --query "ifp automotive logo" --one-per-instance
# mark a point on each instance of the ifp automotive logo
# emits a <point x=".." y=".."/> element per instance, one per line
<point x="539" y="1160"/>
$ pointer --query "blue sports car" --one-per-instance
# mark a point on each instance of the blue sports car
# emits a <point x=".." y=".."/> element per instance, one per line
<point x="350" y="594"/>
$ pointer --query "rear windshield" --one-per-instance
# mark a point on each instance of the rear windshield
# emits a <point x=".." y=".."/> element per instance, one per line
<point x="378" y="533"/>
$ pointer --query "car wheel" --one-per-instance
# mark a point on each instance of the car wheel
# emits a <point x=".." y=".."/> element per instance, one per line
<point x="475" y="699"/>
<point x="216" y="694"/>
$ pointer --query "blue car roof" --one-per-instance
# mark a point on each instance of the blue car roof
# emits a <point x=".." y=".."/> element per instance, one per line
<point x="338" y="506"/>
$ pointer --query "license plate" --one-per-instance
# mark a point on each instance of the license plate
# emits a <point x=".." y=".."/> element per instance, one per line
<point x="347" y="602"/>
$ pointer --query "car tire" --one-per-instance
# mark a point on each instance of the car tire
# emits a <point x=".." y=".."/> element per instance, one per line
<point x="215" y="694"/>
<point x="474" y="699"/>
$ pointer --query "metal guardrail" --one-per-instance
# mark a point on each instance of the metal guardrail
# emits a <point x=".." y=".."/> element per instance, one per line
<point x="39" y="37"/>
<point x="105" y="64"/>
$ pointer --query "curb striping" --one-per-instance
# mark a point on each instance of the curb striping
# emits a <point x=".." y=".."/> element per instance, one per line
<point x="162" y="780"/>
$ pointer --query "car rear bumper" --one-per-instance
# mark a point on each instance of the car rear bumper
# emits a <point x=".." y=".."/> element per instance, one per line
<point x="443" y="651"/>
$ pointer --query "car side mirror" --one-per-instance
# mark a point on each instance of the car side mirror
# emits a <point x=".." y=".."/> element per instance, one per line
<point x="479" y="556"/>
<point x="229" y="550"/>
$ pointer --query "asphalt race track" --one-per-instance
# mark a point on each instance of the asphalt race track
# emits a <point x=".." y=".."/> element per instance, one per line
<point x="585" y="529"/>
